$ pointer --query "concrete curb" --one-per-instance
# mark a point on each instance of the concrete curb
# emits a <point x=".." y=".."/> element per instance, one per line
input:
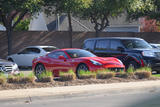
<point x="54" y="91"/>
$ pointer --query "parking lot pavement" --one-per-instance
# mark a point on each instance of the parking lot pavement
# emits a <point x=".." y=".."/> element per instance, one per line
<point x="67" y="90"/>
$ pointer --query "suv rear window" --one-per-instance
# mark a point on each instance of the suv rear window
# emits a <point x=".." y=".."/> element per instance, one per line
<point x="89" y="44"/>
<point x="102" y="44"/>
<point x="115" y="44"/>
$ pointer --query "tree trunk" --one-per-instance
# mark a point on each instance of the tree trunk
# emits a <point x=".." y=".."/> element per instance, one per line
<point x="96" y="29"/>
<point x="97" y="33"/>
<point x="9" y="37"/>
<point x="70" y="28"/>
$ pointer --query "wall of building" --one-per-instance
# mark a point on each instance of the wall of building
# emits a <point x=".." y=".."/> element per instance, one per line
<point x="61" y="39"/>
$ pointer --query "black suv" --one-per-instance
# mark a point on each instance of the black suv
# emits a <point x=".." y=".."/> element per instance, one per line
<point x="134" y="52"/>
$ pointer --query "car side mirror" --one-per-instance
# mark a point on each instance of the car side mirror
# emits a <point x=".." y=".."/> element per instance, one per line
<point x="121" y="49"/>
<point x="62" y="57"/>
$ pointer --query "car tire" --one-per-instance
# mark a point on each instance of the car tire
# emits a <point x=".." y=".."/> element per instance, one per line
<point x="10" y="59"/>
<point x="39" y="69"/>
<point x="81" y="67"/>
<point x="132" y="64"/>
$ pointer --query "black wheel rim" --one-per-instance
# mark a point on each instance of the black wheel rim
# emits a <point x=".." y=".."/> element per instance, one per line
<point x="81" y="68"/>
<point x="39" y="70"/>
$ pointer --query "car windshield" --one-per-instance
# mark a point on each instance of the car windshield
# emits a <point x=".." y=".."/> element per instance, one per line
<point x="136" y="43"/>
<point x="50" y="49"/>
<point x="77" y="53"/>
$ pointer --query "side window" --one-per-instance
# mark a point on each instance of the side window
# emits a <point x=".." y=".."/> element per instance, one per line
<point x="102" y="44"/>
<point x="115" y="44"/>
<point x="89" y="45"/>
<point x="23" y="51"/>
<point x="30" y="51"/>
<point x="57" y="54"/>
<point x="33" y="51"/>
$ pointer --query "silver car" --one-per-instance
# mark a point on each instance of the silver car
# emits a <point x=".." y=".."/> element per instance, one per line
<point x="8" y="67"/>
<point x="26" y="55"/>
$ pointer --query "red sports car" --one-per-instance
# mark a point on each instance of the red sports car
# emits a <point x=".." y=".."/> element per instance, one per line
<point x="75" y="59"/>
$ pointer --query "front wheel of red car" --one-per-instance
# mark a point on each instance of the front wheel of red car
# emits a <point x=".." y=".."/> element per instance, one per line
<point x="39" y="70"/>
<point x="81" y="67"/>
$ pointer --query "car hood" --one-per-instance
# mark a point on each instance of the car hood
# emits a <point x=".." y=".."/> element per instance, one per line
<point x="5" y="62"/>
<point x="104" y="60"/>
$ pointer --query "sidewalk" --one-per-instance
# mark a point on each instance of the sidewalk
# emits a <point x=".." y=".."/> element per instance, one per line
<point x="38" y="92"/>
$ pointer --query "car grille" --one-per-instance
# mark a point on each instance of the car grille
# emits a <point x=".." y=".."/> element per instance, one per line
<point x="116" y="69"/>
<point x="5" y="68"/>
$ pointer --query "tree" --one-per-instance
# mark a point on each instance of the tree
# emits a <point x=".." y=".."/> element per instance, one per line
<point x="68" y="7"/>
<point x="10" y="9"/>
<point x="144" y="8"/>
<point x="99" y="12"/>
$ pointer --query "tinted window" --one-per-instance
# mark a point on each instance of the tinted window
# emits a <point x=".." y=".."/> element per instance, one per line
<point x="89" y="44"/>
<point x="57" y="54"/>
<point x="102" y="44"/>
<point x="115" y="44"/>
<point x="49" y="49"/>
<point x="76" y="53"/>
<point x="135" y="43"/>
<point x="30" y="51"/>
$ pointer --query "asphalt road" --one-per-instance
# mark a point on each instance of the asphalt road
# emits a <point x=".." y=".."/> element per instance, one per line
<point x="131" y="98"/>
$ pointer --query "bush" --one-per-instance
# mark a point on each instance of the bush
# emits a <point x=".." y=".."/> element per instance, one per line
<point x="122" y="74"/>
<point x="20" y="78"/>
<point x="86" y="75"/>
<point x="130" y="72"/>
<point x="46" y="76"/>
<point x="67" y="76"/>
<point x="144" y="72"/>
<point x="3" y="79"/>
<point x="105" y="74"/>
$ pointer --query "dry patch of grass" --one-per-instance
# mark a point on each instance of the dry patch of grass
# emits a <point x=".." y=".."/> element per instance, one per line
<point x="67" y="76"/>
<point x="46" y="76"/>
<point x="87" y="75"/>
<point x="21" y="78"/>
<point x="3" y="79"/>
<point x="105" y="74"/>
<point x="143" y="73"/>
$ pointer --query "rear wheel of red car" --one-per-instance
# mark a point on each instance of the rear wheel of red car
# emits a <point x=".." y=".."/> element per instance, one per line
<point x="39" y="70"/>
<point x="81" y="67"/>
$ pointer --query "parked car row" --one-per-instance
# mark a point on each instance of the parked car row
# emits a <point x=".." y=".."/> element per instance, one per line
<point x="115" y="53"/>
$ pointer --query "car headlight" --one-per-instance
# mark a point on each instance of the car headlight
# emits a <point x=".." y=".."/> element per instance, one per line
<point x="95" y="62"/>
<point x="120" y="61"/>
<point x="15" y="67"/>
<point x="148" y="54"/>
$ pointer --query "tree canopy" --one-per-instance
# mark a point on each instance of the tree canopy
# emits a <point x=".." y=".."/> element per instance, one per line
<point x="142" y="8"/>
<point x="99" y="12"/>
<point x="65" y="6"/>
<point x="10" y="9"/>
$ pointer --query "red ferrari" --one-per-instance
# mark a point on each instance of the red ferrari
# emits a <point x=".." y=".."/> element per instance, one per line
<point x="75" y="59"/>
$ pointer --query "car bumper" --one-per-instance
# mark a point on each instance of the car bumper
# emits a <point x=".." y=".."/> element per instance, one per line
<point x="116" y="68"/>
<point x="154" y="63"/>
